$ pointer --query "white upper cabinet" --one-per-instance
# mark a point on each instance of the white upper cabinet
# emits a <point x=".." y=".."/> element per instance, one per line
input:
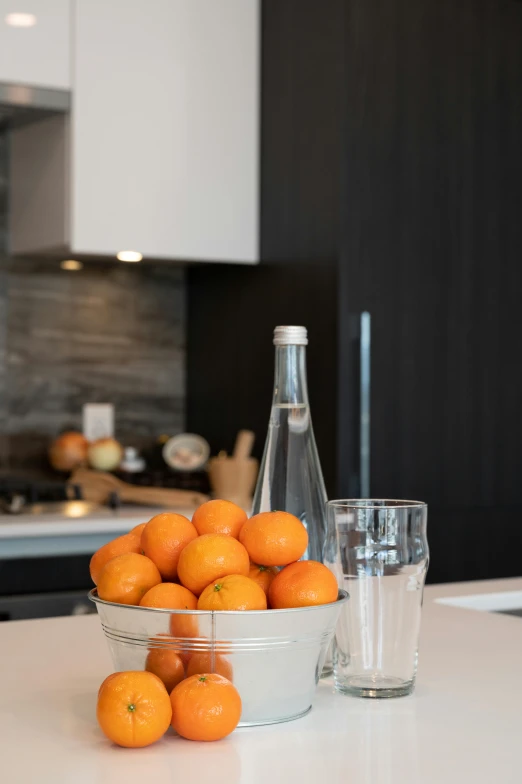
<point x="165" y="128"/>
<point x="35" y="43"/>
<point x="160" y="153"/>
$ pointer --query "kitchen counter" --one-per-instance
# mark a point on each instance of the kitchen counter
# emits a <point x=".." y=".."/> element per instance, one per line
<point x="30" y="535"/>
<point x="462" y="725"/>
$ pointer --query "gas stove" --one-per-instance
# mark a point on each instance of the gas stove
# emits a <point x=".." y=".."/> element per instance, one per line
<point x="22" y="496"/>
<point x="44" y="586"/>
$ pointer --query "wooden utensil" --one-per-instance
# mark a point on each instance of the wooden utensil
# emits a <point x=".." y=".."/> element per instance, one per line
<point x="244" y="443"/>
<point x="97" y="486"/>
<point x="234" y="478"/>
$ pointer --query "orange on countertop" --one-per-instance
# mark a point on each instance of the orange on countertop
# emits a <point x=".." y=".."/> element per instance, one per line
<point x="263" y="575"/>
<point x="210" y="557"/>
<point x="274" y="538"/>
<point x="133" y="709"/>
<point x="107" y="679"/>
<point x="303" y="584"/>
<point x="207" y="661"/>
<point x="205" y="707"/>
<point x="169" y="596"/>
<point x="234" y="592"/>
<point x="167" y="665"/>
<point x="127" y="543"/>
<point x="163" y="539"/>
<point x="219" y="517"/>
<point x="127" y="578"/>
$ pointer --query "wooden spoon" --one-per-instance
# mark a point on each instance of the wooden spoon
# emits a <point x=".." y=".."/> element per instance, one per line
<point x="97" y="486"/>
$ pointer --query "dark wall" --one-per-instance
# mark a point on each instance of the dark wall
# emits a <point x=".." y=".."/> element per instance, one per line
<point x="230" y="357"/>
<point x="433" y="241"/>
<point x="301" y="134"/>
<point x="432" y="247"/>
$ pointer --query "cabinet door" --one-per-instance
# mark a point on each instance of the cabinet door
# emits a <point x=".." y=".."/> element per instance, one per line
<point x="165" y="128"/>
<point x="431" y="247"/>
<point x="38" y="54"/>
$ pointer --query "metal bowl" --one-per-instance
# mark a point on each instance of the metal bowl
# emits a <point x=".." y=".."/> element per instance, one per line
<point x="273" y="657"/>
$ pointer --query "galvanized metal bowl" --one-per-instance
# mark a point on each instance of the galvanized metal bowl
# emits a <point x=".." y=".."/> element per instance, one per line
<point x="273" y="657"/>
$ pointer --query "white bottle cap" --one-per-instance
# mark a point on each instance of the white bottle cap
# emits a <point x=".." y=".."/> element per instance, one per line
<point x="290" y="336"/>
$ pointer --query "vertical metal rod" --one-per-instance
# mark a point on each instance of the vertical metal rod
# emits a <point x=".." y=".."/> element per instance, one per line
<point x="364" y="435"/>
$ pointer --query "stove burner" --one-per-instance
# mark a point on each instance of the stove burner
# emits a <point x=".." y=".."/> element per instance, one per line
<point x="17" y="494"/>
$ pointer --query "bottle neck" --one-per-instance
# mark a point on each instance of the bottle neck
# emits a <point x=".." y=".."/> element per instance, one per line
<point x="290" y="386"/>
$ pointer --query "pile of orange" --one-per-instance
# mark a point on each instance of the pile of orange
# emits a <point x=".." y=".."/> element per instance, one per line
<point x="220" y="561"/>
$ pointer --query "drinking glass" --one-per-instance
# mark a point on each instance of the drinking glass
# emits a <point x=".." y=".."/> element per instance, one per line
<point x="383" y="554"/>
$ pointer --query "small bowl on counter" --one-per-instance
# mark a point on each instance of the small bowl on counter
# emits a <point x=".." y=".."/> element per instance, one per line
<point x="273" y="657"/>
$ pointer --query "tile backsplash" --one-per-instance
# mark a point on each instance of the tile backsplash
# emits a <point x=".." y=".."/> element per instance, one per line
<point x="110" y="333"/>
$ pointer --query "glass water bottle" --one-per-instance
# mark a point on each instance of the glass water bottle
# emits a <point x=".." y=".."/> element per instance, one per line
<point x="290" y="478"/>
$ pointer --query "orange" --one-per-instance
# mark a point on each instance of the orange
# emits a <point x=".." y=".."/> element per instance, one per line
<point x="210" y="557"/>
<point x="205" y="661"/>
<point x="303" y="584"/>
<point x="166" y="642"/>
<point x="127" y="578"/>
<point x="163" y="539"/>
<point x="167" y="665"/>
<point x="184" y="626"/>
<point x="219" y="517"/>
<point x="128" y="543"/>
<point x="274" y="538"/>
<point x="234" y="592"/>
<point x="183" y="629"/>
<point x="169" y="596"/>
<point x="205" y="707"/>
<point x="133" y="709"/>
<point x="107" y="679"/>
<point x="138" y="530"/>
<point x="174" y="597"/>
<point x="262" y="575"/>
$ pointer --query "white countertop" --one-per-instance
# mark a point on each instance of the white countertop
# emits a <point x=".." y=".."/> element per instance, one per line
<point x="114" y="521"/>
<point x="36" y="535"/>
<point x="462" y="725"/>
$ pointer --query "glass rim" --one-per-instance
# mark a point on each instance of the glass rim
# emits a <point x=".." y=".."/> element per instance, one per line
<point x="375" y="503"/>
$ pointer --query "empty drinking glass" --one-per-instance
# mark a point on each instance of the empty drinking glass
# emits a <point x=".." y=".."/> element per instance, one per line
<point x="384" y="560"/>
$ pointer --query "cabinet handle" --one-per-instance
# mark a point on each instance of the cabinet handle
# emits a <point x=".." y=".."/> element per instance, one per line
<point x="364" y="397"/>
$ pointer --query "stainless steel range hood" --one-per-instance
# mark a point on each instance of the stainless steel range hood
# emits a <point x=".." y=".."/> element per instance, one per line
<point x="23" y="104"/>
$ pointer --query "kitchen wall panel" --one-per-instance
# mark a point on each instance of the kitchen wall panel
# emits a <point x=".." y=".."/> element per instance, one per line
<point x="3" y="300"/>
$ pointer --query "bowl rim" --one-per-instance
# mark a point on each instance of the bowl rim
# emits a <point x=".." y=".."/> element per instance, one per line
<point x="342" y="597"/>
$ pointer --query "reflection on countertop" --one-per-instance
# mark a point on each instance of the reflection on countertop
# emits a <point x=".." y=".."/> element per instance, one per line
<point x="36" y="535"/>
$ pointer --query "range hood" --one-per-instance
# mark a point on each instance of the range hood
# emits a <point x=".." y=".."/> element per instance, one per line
<point x="23" y="104"/>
